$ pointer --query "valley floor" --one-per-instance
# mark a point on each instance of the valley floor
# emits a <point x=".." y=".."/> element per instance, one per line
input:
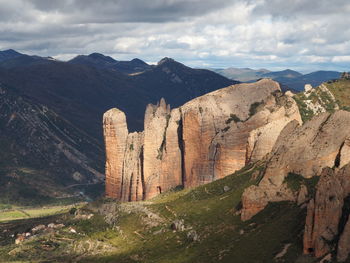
<point x="16" y="213"/>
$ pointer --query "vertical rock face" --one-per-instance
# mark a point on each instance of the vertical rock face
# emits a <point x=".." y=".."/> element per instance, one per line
<point x="224" y="130"/>
<point x="171" y="169"/>
<point x="162" y="155"/>
<point x="303" y="150"/>
<point x="327" y="226"/>
<point x="156" y="122"/>
<point x="206" y="139"/>
<point x="344" y="157"/>
<point x="115" y="135"/>
<point x="132" y="189"/>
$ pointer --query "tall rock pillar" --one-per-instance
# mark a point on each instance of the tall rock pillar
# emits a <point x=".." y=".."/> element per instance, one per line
<point x="115" y="136"/>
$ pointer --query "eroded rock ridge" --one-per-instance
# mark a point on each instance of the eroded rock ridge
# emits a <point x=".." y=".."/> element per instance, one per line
<point x="206" y="139"/>
<point x="300" y="151"/>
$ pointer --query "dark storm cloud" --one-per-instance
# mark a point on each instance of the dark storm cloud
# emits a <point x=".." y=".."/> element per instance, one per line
<point x="111" y="11"/>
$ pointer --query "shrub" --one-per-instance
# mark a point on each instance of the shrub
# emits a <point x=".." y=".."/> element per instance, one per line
<point x="233" y="117"/>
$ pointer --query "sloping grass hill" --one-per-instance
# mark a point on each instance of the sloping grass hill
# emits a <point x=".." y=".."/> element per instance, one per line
<point x="192" y="225"/>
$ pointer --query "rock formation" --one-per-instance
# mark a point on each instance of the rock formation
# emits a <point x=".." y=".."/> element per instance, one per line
<point x="162" y="155"/>
<point x="226" y="129"/>
<point x="115" y="134"/>
<point x="132" y="188"/>
<point x="206" y="139"/>
<point x="303" y="150"/>
<point x="327" y="226"/>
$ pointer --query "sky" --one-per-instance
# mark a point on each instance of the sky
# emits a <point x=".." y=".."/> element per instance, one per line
<point x="304" y="35"/>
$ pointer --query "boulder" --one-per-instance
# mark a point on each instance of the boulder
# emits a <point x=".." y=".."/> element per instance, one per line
<point x="178" y="225"/>
<point x="307" y="87"/>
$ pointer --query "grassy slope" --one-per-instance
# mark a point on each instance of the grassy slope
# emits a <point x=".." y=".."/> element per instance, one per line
<point x="339" y="88"/>
<point x="22" y="213"/>
<point x="142" y="231"/>
<point x="341" y="91"/>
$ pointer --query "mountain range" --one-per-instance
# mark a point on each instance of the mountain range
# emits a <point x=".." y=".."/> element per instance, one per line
<point x="290" y="79"/>
<point x="75" y="94"/>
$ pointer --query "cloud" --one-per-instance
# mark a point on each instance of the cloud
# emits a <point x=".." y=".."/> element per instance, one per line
<point x="303" y="34"/>
<point x="111" y="11"/>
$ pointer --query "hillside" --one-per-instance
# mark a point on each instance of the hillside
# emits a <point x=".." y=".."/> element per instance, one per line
<point x="9" y="54"/>
<point x="177" y="83"/>
<point x="283" y="75"/>
<point x="198" y="225"/>
<point x="42" y="153"/>
<point x="328" y="97"/>
<point x="315" y="79"/>
<point x="82" y="93"/>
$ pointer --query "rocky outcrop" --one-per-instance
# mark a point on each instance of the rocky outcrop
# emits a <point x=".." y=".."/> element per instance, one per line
<point x="344" y="155"/>
<point x="303" y="150"/>
<point x="132" y="173"/>
<point x="162" y="155"/>
<point x="171" y="156"/>
<point x="316" y="100"/>
<point x="226" y="129"/>
<point x="115" y="135"/>
<point x="156" y="122"/>
<point x="206" y="139"/>
<point x="327" y="227"/>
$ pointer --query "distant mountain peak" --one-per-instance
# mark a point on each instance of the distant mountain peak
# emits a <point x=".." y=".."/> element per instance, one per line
<point x="138" y="61"/>
<point x="166" y="60"/>
<point x="9" y="54"/>
<point x="11" y="51"/>
<point x="102" y="57"/>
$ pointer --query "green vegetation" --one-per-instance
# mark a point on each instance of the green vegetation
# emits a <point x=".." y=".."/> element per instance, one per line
<point x="141" y="231"/>
<point x="21" y="213"/>
<point x="340" y="89"/>
<point x="233" y="117"/>
<point x="305" y="112"/>
<point x="295" y="181"/>
<point x="254" y="108"/>
<point x="23" y="186"/>
<point x="5" y="206"/>
<point x="225" y="129"/>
